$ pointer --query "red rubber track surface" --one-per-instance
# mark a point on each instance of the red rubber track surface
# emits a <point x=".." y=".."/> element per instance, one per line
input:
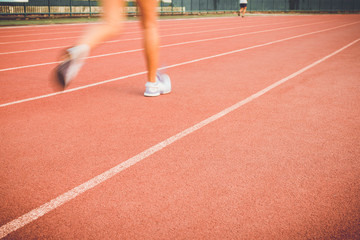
<point x="285" y="165"/>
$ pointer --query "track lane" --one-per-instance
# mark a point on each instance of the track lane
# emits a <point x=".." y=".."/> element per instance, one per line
<point x="49" y="42"/>
<point x="91" y="74"/>
<point x="130" y="98"/>
<point x="128" y="35"/>
<point x="16" y="39"/>
<point x="189" y="168"/>
<point x="166" y="34"/>
<point x="162" y="22"/>
<point x="30" y="59"/>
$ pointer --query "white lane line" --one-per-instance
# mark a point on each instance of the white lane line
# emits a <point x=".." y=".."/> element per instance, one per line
<point x="162" y="36"/>
<point x="171" y="66"/>
<point x="72" y="89"/>
<point x="38" y="34"/>
<point x="73" y="193"/>
<point x="28" y="66"/>
<point x="45" y="25"/>
<point x="176" y="44"/>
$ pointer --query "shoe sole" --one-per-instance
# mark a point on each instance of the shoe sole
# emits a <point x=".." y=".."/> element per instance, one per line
<point x="151" y="95"/>
<point x="61" y="72"/>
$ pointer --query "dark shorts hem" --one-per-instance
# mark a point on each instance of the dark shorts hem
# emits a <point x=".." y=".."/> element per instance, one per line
<point x="242" y="5"/>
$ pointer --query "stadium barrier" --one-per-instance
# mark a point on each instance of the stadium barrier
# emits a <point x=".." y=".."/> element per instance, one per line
<point x="51" y="8"/>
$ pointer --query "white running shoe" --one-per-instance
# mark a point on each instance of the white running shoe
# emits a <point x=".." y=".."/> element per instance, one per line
<point x="72" y="64"/>
<point x="161" y="86"/>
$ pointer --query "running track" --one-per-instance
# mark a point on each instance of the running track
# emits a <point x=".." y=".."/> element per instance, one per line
<point x="260" y="138"/>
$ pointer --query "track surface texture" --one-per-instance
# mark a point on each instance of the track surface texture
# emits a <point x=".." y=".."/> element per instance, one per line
<point x="259" y="139"/>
